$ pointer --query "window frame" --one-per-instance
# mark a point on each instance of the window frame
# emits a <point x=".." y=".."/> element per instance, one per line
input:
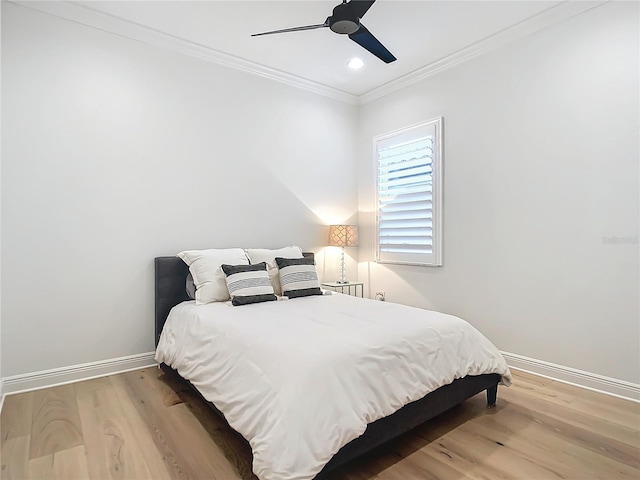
<point x="433" y="259"/>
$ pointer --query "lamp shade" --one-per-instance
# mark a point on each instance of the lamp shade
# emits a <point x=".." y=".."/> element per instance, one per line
<point x="343" y="235"/>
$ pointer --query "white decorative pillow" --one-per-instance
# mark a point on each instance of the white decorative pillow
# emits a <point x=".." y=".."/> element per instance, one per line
<point x="205" y="267"/>
<point x="258" y="255"/>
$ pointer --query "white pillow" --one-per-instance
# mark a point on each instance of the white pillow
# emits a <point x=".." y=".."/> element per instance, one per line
<point x="205" y="267"/>
<point x="257" y="255"/>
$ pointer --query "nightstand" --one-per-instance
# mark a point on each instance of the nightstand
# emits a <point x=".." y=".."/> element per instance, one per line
<point x="350" y="287"/>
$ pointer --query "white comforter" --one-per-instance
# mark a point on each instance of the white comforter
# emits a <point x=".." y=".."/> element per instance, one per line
<point x="301" y="378"/>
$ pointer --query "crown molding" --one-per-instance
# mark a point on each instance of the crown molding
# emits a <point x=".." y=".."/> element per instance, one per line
<point x="524" y="28"/>
<point x="90" y="17"/>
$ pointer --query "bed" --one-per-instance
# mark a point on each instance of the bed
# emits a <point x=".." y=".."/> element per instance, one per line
<point x="170" y="276"/>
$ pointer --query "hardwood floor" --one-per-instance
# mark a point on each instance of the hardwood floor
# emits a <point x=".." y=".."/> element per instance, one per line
<point x="147" y="425"/>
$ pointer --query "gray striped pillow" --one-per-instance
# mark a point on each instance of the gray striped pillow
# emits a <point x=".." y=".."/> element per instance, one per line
<point x="298" y="277"/>
<point x="248" y="283"/>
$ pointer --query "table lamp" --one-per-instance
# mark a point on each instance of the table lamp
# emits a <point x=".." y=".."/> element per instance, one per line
<point x="343" y="236"/>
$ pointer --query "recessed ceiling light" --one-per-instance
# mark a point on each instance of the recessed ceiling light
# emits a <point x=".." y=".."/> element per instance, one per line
<point x="355" y="63"/>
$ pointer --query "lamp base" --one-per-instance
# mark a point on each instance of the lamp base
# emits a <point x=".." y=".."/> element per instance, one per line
<point x="342" y="282"/>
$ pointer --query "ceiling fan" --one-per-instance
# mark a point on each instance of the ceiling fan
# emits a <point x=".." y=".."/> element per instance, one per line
<point x="345" y="20"/>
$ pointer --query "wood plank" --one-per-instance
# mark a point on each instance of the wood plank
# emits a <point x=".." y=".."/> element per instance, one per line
<point x="409" y="469"/>
<point x="42" y="467"/>
<point x="585" y="394"/>
<point x="411" y="448"/>
<point x="71" y="464"/>
<point x="611" y="409"/>
<point x="465" y="446"/>
<point x="110" y="444"/>
<point x="515" y="418"/>
<point x="547" y="392"/>
<point x="68" y="464"/>
<point x="171" y="436"/>
<point x="169" y="393"/>
<point x="55" y="422"/>
<point x="538" y="446"/>
<point x="151" y="409"/>
<point x="606" y="407"/>
<point x="15" y="458"/>
<point x="623" y="413"/>
<point x="611" y="430"/>
<point x="190" y="430"/>
<point x="434" y="454"/>
<point x="234" y="447"/>
<point x="16" y="417"/>
<point x="143" y="437"/>
<point x="438" y="460"/>
<point x="530" y="377"/>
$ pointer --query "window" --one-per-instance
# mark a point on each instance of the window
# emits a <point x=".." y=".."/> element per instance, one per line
<point x="409" y="195"/>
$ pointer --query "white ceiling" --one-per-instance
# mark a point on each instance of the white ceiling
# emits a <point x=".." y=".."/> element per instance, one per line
<point x="426" y="36"/>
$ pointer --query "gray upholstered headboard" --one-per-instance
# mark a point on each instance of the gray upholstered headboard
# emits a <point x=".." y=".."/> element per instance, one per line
<point x="170" y="277"/>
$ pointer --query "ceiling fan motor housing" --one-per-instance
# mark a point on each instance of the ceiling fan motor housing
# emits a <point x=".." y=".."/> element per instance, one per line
<point x="344" y="20"/>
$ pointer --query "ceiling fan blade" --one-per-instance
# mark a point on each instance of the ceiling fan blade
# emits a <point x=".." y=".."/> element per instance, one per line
<point x="294" y="29"/>
<point x="360" y="7"/>
<point x="365" y="39"/>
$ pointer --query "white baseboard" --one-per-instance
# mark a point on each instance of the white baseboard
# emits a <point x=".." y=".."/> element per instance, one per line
<point x="572" y="376"/>
<point x="74" y="373"/>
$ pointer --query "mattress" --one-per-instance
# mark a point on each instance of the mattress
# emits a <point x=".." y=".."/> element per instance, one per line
<point x="301" y="378"/>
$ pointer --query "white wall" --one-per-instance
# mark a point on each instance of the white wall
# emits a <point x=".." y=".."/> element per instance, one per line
<point x="541" y="164"/>
<point x="115" y="152"/>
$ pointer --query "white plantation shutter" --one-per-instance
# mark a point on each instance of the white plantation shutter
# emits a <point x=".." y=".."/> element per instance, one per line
<point x="409" y="179"/>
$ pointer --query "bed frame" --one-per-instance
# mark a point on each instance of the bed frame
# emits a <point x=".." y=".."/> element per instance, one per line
<point x="170" y="277"/>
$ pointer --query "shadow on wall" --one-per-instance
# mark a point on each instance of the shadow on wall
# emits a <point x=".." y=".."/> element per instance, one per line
<point x="328" y="209"/>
